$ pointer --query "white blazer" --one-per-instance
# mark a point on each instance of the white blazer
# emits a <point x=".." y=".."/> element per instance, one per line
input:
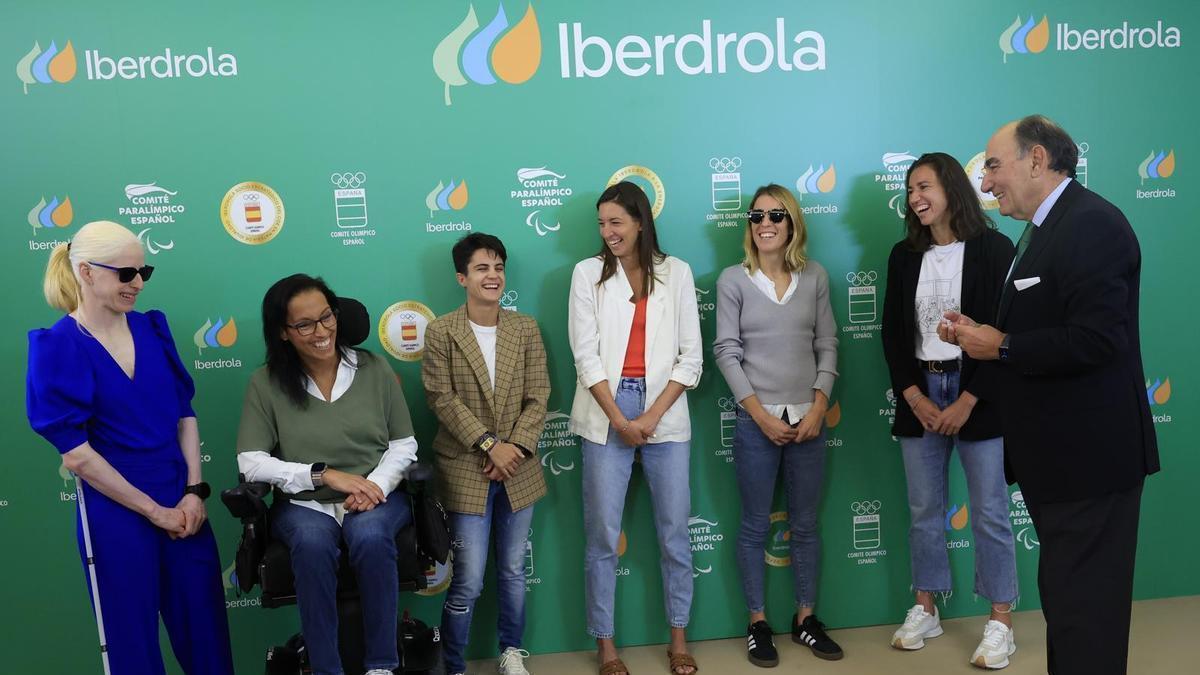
<point x="599" y="319"/>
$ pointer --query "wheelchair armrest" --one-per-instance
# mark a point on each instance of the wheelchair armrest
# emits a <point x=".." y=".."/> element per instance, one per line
<point x="247" y="501"/>
<point x="416" y="477"/>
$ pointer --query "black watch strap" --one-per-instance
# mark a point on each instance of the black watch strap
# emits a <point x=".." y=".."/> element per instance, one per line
<point x="486" y="442"/>
<point x="201" y="490"/>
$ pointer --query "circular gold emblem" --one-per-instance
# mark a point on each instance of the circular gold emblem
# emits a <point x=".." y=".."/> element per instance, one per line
<point x="656" y="184"/>
<point x="974" y="170"/>
<point x="252" y="213"/>
<point x="402" y="329"/>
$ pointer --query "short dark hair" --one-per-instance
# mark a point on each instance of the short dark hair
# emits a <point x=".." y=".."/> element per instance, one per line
<point x="283" y="362"/>
<point x="967" y="219"/>
<point x="1041" y="130"/>
<point x="465" y="248"/>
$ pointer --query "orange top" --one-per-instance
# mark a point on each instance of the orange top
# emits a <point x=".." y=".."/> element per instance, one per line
<point x="635" y="352"/>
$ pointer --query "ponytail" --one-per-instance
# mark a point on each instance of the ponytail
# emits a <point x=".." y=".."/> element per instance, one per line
<point x="60" y="286"/>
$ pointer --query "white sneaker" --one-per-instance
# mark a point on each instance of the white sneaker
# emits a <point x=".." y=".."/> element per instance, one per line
<point x="512" y="662"/>
<point x="995" y="648"/>
<point x="918" y="625"/>
<point x="378" y="671"/>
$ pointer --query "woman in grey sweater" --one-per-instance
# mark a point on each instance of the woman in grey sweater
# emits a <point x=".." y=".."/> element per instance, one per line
<point x="777" y="349"/>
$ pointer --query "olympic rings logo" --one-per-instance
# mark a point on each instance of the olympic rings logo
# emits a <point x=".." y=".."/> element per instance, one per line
<point x="509" y="298"/>
<point x="725" y="164"/>
<point x="348" y="180"/>
<point x="865" y="508"/>
<point x="861" y="278"/>
<point x="726" y="403"/>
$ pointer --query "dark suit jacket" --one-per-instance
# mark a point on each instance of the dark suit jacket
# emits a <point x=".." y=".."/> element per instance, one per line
<point x="985" y="262"/>
<point x="1076" y="419"/>
<point x="459" y="391"/>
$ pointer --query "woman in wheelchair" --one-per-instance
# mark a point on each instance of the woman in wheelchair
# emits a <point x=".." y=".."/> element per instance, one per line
<point x="327" y="425"/>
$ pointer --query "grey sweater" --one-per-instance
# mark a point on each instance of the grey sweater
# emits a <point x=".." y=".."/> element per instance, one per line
<point x="780" y="353"/>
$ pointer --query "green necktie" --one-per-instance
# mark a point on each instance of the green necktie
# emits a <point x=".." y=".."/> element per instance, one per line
<point x="1021" y="246"/>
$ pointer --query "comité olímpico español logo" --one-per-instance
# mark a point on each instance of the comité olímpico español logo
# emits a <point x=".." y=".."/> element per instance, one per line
<point x="491" y="54"/>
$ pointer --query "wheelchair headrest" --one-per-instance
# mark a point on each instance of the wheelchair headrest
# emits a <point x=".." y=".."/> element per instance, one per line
<point x="353" y="321"/>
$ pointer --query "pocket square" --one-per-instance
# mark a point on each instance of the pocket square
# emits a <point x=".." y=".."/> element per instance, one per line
<point x="1022" y="284"/>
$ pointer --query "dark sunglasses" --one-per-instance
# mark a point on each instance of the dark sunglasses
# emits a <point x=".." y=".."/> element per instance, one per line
<point x="126" y="274"/>
<point x="756" y="215"/>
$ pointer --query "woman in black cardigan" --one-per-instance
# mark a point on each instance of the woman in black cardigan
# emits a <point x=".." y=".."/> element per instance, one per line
<point x="952" y="258"/>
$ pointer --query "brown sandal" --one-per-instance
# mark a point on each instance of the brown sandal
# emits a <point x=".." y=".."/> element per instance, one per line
<point x="678" y="661"/>
<point x="613" y="667"/>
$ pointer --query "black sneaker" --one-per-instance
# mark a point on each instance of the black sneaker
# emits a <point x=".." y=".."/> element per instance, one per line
<point x="760" y="646"/>
<point x="811" y="633"/>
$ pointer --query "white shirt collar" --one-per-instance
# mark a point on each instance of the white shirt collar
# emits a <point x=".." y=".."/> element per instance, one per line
<point x="341" y="382"/>
<point x="764" y="283"/>
<point x="1048" y="203"/>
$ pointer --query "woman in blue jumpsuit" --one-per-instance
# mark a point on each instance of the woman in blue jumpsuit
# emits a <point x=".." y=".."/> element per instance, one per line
<point x="106" y="387"/>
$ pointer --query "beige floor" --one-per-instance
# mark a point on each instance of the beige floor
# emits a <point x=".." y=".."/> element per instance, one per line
<point x="1165" y="640"/>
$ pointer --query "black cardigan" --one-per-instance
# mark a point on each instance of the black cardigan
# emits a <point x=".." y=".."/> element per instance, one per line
<point x="986" y="260"/>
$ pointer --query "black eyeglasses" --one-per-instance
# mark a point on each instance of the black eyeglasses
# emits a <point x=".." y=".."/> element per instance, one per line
<point x="756" y="215"/>
<point x="126" y="274"/>
<point x="308" y="327"/>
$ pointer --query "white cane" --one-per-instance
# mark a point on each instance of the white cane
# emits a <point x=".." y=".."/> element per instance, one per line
<point x="91" y="565"/>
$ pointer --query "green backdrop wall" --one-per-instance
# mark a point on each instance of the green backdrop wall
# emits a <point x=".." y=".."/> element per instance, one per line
<point x="379" y="142"/>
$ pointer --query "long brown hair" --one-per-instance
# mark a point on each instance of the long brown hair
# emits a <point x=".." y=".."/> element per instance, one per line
<point x="967" y="219"/>
<point x="631" y="198"/>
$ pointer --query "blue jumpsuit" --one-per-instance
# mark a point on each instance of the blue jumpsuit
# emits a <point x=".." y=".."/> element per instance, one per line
<point x="76" y="392"/>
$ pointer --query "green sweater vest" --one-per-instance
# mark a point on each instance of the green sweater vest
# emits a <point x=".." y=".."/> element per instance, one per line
<point x="349" y="434"/>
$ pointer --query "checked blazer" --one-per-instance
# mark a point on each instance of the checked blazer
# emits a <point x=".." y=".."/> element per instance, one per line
<point x="460" y="393"/>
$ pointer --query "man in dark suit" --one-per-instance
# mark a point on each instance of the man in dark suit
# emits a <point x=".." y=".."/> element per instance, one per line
<point x="1077" y="428"/>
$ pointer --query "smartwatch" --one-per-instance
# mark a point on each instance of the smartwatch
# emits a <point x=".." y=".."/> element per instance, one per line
<point x="1004" y="347"/>
<point x="317" y="472"/>
<point x="201" y="490"/>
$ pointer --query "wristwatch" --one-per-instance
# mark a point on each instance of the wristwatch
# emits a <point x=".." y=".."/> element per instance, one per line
<point x="486" y="442"/>
<point x="1004" y="347"/>
<point x="318" y="474"/>
<point x="201" y="490"/>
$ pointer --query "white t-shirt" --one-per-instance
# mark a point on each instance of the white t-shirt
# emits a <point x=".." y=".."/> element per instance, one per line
<point x="486" y="337"/>
<point x="939" y="290"/>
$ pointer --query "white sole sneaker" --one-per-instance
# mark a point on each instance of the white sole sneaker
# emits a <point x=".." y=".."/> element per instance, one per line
<point x="898" y="642"/>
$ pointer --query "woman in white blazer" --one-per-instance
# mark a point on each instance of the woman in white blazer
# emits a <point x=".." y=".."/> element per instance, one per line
<point x="635" y="335"/>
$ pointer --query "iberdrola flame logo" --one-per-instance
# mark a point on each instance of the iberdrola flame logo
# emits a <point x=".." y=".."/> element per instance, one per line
<point x="51" y="214"/>
<point x="1025" y="38"/>
<point x="44" y="67"/>
<point x="1157" y="165"/>
<point x="221" y="334"/>
<point x="452" y="197"/>
<point x="514" y="56"/>
<point x="821" y="180"/>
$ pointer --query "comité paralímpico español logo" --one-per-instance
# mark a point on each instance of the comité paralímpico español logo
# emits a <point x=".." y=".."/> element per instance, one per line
<point x="46" y="67"/>
<point x="513" y="56"/>
<point x="1025" y="37"/>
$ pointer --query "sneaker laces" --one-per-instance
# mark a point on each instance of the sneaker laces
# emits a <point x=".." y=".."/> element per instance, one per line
<point x="916" y="614"/>
<point x="519" y="655"/>
<point x="993" y="634"/>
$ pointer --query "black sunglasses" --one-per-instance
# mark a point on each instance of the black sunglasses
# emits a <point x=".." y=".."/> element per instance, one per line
<point x="126" y="274"/>
<point x="756" y="215"/>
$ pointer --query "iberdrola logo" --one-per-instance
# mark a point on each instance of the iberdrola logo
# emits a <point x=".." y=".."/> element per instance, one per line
<point x="221" y="334"/>
<point x="51" y="214"/>
<point x="452" y="197"/>
<point x="1025" y="38"/>
<point x="821" y="180"/>
<point x="44" y="67"/>
<point x="1157" y="165"/>
<point x="514" y="56"/>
